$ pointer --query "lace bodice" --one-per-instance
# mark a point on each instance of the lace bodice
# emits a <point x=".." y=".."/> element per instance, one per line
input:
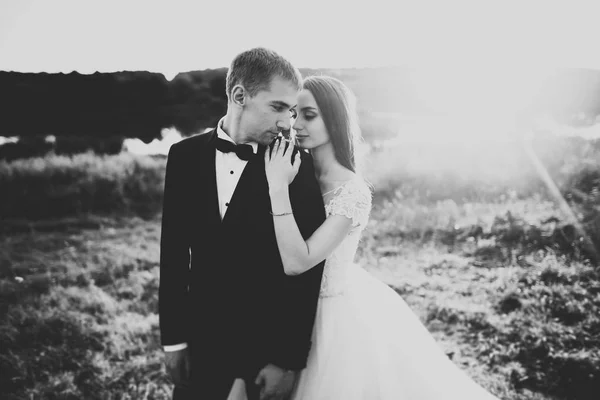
<point x="352" y="200"/>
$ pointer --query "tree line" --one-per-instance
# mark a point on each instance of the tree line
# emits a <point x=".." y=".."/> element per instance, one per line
<point x="102" y="105"/>
<point x="140" y="104"/>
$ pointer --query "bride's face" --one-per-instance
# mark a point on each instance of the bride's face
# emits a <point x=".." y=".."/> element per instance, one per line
<point x="309" y="125"/>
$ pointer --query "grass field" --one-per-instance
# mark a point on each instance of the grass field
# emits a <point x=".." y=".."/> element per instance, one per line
<point x="497" y="273"/>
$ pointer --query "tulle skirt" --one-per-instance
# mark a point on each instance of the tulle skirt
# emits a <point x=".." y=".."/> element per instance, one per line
<point x="369" y="345"/>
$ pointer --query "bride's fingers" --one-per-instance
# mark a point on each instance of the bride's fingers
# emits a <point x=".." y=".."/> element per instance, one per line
<point x="289" y="151"/>
<point x="276" y="147"/>
<point x="281" y="148"/>
<point x="297" y="161"/>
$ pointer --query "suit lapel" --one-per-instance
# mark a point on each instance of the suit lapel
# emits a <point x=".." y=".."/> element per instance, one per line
<point x="208" y="185"/>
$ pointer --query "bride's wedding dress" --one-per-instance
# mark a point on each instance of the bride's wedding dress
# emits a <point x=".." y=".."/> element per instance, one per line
<point x="367" y="343"/>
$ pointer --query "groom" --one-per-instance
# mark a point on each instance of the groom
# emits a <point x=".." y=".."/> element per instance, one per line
<point x="228" y="313"/>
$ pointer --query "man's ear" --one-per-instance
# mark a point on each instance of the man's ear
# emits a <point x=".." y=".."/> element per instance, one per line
<point x="238" y="95"/>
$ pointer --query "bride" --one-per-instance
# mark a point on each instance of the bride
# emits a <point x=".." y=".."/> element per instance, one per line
<point x="367" y="342"/>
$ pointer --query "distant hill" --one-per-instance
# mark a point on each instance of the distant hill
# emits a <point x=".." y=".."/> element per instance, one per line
<point x="139" y="104"/>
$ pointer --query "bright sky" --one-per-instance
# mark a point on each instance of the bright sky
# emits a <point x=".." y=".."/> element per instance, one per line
<point x="172" y="36"/>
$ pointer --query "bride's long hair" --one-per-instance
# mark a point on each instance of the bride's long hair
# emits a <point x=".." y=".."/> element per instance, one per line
<point x="337" y="104"/>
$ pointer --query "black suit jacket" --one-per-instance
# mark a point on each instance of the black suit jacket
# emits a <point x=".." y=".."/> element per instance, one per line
<point x="223" y="289"/>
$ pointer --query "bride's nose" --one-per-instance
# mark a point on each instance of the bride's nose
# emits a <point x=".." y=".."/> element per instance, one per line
<point x="296" y="126"/>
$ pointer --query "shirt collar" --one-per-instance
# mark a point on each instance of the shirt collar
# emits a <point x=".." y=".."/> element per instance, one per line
<point x="221" y="134"/>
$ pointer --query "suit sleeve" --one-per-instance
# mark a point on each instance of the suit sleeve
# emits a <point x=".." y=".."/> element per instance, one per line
<point x="302" y="291"/>
<point x="174" y="254"/>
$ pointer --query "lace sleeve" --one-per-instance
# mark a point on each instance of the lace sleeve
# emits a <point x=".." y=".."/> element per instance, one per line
<point x="352" y="200"/>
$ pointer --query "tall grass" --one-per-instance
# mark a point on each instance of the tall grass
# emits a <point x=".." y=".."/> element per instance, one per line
<point x="58" y="186"/>
<point x="479" y="170"/>
<point x="490" y="171"/>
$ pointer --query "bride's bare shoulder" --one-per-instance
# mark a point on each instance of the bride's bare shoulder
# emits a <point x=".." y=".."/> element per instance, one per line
<point x="343" y="174"/>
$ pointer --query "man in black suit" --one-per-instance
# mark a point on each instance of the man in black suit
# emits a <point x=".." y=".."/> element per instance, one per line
<point x="228" y="313"/>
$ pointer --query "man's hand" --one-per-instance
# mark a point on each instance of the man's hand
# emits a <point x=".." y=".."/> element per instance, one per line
<point x="178" y="366"/>
<point x="275" y="383"/>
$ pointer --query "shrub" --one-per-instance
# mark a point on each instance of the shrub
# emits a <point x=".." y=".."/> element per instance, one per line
<point x="58" y="186"/>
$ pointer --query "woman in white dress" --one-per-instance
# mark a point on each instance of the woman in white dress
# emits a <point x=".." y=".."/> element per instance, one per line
<point x="367" y="342"/>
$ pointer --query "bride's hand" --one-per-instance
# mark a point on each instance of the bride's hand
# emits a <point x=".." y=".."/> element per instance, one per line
<point x="279" y="166"/>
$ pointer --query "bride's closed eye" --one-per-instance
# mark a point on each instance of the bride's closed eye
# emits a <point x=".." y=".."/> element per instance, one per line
<point x="309" y="116"/>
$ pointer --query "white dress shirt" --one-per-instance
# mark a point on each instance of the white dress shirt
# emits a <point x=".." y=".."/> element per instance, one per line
<point x="228" y="169"/>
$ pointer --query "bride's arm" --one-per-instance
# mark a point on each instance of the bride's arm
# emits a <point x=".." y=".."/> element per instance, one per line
<point x="298" y="255"/>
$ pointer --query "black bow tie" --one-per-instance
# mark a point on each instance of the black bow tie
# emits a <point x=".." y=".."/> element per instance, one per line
<point x="243" y="151"/>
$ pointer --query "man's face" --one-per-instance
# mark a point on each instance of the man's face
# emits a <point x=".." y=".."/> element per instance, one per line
<point x="267" y="114"/>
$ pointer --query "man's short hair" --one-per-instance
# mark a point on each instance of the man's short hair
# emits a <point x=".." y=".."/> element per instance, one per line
<point x="255" y="68"/>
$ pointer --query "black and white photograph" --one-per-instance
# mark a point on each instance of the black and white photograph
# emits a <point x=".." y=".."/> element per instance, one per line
<point x="317" y="200"/>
